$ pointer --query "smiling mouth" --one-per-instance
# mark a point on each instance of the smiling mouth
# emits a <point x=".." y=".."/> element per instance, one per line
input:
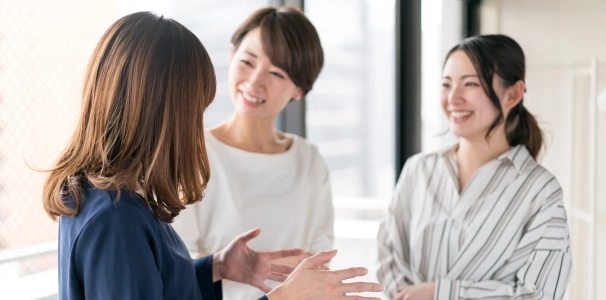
<point x="460" y="114"/>
<point x="252" y="99"/>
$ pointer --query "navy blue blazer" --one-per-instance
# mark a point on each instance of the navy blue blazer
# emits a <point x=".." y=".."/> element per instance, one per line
<point x="119" y="250"/>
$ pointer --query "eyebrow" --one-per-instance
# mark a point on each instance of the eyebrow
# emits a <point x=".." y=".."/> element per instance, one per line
<point x="250" y="53"/>
<point x="462" y="77"/>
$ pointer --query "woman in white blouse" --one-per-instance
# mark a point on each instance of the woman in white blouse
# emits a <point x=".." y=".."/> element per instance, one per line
<point x="481" y="219"/>
<point x="262" y="177"/>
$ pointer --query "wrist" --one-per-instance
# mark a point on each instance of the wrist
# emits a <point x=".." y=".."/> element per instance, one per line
<point x="275" y="294"/>
<point x="217" y="265"/>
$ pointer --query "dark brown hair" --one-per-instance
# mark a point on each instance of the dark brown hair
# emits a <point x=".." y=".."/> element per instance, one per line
<point x="141" y="129"/>
<point x="502" y="56"/>
<point x="290" y="41"/>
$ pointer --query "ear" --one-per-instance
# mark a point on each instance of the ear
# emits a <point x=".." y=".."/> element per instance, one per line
<point x="299" y="93"/>
<point x="514" y="95"/>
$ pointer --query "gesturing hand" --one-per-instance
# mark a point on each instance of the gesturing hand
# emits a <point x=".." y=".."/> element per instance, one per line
<point x="237" y="262"/>
<point x="308" y="282"/>
<point x="294" y="261"/>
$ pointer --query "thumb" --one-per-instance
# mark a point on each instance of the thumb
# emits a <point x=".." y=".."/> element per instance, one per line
<point x="249" y="235"/>
<point x="319" y="259"/>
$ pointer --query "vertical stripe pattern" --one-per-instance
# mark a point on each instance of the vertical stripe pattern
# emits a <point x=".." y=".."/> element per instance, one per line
<point x="505" y="236"/>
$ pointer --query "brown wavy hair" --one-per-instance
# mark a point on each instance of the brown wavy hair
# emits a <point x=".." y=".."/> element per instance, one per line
<point x="141" y="129"/>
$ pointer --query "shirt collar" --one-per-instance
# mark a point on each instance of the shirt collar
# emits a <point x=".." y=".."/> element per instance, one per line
<point x="448" y="151"/>
<point x="517" y="155"/>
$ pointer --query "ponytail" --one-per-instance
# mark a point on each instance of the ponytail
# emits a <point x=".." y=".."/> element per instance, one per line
<point x="521" y="127"/>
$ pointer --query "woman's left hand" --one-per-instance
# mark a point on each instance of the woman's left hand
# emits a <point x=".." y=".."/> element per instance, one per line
<point x="422" y="291"/>
<point x="237" y="262"/>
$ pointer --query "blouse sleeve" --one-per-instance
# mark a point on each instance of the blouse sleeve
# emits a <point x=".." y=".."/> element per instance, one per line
<point x="394" y="246"/>
<point x="323" y="236"/>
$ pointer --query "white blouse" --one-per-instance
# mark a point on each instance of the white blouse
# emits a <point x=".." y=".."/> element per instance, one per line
<point x="287" y="195"/>
<point x="505" y="236"/>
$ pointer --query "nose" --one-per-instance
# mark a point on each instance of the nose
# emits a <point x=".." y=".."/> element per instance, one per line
<point x="455" y="95"/>
<point x="256" y="81"/>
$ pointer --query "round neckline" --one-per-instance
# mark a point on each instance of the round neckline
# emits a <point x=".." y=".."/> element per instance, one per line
<point x="294" y="137"/>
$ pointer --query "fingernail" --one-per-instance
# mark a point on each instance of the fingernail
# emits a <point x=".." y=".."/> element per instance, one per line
<point x="378" y="288"/>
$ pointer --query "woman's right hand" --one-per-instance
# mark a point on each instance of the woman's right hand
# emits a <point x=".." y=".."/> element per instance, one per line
<point x="295" y="261"/>
<point x="309" y="282"/>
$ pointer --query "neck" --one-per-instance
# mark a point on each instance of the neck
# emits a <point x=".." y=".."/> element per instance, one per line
<point x="474" y="153"/>
<point x="251" y="134"/>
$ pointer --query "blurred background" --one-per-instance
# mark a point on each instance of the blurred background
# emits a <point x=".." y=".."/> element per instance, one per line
<point x="375" y="103"/>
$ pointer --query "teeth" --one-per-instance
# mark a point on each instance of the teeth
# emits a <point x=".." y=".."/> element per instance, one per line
<point x="460" y="114"/>
<point x="252" y="99"/>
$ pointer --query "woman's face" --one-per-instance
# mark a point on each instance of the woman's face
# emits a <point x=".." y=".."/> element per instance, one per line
<point x="469" y="110"/>
<point x="258" y="89"/>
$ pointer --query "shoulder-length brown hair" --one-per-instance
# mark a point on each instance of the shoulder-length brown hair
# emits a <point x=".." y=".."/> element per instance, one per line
<point x="290" y="41"/>
<point x="141" y="128"/>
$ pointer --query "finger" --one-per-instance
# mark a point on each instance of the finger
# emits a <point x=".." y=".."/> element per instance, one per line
<point x="281" y="269"/>
<point x="361" y="287"/>
<point x="350" y="273"/>
<point x="357" y="297"/>
<point x="320" y="258"/>
<point x="249" y="235"/>
<point x="322" y="268"/>
<point x="285" y="253"/>
<point x="277" y="277"/>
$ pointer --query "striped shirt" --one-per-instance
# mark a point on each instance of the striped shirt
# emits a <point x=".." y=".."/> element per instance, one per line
<point x="505" y="236"/>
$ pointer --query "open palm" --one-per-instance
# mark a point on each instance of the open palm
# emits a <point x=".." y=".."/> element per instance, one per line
<point x="242" y="264"/>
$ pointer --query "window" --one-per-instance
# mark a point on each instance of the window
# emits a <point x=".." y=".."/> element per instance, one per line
<point x="350" y="117"/>
<point x="214" y="21"/>
<point x="44" y="50"/>
<point x="441" y="23"/>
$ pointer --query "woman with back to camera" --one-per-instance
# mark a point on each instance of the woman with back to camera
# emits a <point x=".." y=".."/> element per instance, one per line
<point x="136" y="158"/>
<point x="263" y="177"/>
<point x="482" y="219"/>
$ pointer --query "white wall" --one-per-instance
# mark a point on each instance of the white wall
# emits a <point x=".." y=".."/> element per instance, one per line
<point x="555" y="35"/>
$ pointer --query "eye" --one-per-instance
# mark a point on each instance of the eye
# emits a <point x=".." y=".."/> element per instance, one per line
<point x="277" y="74"/>
<point x="471" y="84"/>
<point x="445" y="85"/>
<point x="246" y="62"/>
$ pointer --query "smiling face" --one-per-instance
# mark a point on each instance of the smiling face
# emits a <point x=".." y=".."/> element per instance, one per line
<point x="258" y="89"/>
<point x="469" y="110"/>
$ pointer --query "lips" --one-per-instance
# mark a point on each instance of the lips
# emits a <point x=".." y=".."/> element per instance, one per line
<point x="251" y="99"/>
<point x="460" y="114"/>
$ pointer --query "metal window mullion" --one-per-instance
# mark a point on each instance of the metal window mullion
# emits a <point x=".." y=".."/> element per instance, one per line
<point x="292" y="118"/>
<point x="408" y="81"/>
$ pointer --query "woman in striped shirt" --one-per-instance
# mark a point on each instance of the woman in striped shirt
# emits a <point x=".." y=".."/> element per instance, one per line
<point x="481" y="219"/>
